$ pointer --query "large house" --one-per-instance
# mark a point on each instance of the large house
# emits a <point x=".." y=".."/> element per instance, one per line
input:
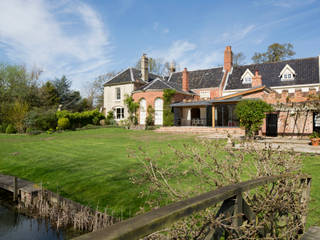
<point x="208" y="97"/>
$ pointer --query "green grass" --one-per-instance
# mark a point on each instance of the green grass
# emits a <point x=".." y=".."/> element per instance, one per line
<point x="92" y="166"/>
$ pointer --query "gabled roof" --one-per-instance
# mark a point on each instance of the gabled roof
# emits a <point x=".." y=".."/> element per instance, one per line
<point x="206" y="78"/>
<point x="245" y="92"/>
<point x="161" y="84"/>
<point x="129" y="75"/>
<point x="307" y="72"/>
<point x="157" y="84"/>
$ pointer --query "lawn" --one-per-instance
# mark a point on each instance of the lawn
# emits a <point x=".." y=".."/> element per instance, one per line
<point x="92" y="166"/>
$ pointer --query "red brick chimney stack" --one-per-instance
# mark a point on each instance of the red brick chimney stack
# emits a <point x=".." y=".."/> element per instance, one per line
<point x="185" y="80"/>
<point x="256" y="80"/>
<point x="227" y="59"/>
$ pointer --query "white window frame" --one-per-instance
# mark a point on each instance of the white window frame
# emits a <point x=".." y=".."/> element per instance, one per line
<point x="118" y="95"/>
<point x="121" y="113"/>
<point x="286" y="72"/>
<point x="247" y="77"/>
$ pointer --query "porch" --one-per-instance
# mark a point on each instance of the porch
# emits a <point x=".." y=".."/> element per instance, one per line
<point x="211" y="113"/>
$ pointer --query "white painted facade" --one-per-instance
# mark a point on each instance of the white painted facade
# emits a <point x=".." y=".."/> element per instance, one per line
<point x="111" y="102"/>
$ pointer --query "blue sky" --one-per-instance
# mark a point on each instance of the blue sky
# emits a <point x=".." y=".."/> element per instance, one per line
<point x="83" y="39"/>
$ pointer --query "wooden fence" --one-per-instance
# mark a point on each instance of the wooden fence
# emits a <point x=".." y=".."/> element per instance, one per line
<point x="153" y="221"/>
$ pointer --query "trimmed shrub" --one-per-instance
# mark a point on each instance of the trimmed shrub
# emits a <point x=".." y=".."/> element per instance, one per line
<point x="31" y="131"/>
<point x="80" y="119"/>
<point x="63" y="123"/>
<point x="39" y="119"/>
<point x="95" y="121"/>
<point x="168" y="116"/>
<point x="150" y="117"/>
<point x="110" y="119"/>
<point x="11" y="129"/>
<point x="251" y="113"/>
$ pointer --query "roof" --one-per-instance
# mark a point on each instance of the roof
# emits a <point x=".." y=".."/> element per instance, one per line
<point x="190" y="104"/>
<point x="307" y="72"/>
<point x="161" y="84"/>
<point x="206" y="78"/>
<point x="129" y="75"/>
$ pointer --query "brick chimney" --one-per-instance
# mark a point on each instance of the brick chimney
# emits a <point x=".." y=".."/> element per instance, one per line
<point x="144" y="68"/>
<point x="185" y="80"/>
<point x="227" y="59"/>
<point x="256" y="80"/>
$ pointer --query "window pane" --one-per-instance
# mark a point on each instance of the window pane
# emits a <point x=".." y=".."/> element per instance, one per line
<point x="118" y="93"/>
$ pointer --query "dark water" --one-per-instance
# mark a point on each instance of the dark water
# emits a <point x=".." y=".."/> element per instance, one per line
<point x="16" y="226"/>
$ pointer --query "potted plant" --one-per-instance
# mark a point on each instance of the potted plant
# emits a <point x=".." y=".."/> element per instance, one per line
<point x="315" y="138"/>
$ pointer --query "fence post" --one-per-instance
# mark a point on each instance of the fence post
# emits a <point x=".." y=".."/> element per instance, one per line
<point x="238" y="210"/>
<point x="15" y="188"/>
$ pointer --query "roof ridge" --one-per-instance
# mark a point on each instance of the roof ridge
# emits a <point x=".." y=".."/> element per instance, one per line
<point x="205" y="69"/>
<point x="287" y="60"/>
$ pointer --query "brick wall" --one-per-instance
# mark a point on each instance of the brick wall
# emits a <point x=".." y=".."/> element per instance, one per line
<point x="291" y="122"/>
<point x="151" y="96"/>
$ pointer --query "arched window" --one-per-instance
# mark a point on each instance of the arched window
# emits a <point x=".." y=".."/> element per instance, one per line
<point x="143" y="111"/>
<point x="158" y="113"/>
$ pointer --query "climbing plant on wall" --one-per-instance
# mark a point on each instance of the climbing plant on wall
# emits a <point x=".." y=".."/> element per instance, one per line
<point x="168" y="116"/>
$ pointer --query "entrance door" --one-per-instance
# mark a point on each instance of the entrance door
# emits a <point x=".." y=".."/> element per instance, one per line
<point x="272" y="125"/>
<point x="143" y="111"/>
<point x="158" y="111"/>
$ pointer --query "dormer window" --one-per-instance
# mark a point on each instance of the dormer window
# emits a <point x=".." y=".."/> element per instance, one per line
<point x="287" y="73"/>
<point x="247" y="77"/>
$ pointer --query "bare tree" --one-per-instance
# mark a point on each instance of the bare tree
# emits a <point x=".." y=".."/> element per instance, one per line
<point x="158" y="66"/>
<point x="94" y="89"/>
<point x="238" y="59"/>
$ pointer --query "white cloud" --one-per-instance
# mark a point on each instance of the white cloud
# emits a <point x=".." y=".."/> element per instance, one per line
<point x="237" y="33"/>
<point x="34" y="33"/>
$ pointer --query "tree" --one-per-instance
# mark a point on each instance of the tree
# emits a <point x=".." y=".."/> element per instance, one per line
<point x="276" y="52"/>
<point x="49" y="95"/>
<point x="70" y="100"/>
<point x="132" y="109"/>
<point x="17" y="113"/>
<point x="238" y="58"/>
<point x="157" y="66"/>
<point x="251" y="114"/>
<point x="16" y="84"/>
<point x="63" y="88"/>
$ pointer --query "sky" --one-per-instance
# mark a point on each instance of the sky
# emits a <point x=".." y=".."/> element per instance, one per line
<point x="83" y="39"/>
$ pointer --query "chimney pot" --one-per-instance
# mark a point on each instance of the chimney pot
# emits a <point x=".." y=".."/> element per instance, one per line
<point x="256" y="79"/>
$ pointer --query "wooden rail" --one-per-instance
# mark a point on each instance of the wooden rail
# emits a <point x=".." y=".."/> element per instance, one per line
<point x="150" y="222"/>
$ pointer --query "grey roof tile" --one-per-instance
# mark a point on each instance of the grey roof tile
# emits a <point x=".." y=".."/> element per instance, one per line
<point x="125" y="76"/>
<point x="307" y="72"/>
<point x="207" y="78"/>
